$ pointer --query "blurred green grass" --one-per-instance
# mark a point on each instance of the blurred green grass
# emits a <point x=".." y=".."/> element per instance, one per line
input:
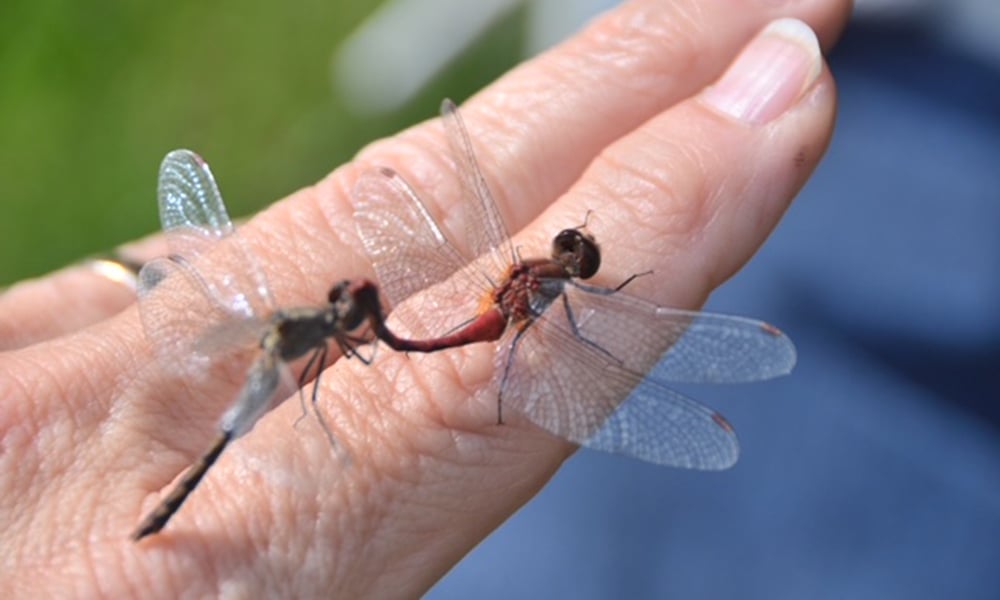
<point x="94" y="94"/>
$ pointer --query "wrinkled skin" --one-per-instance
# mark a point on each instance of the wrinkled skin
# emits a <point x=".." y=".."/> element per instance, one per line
<point x="614" y="119"/>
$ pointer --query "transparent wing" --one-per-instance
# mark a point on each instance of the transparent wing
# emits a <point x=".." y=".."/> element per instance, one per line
<point x="268" y="382"/>
<point x="194" y="220"/>
<point x="408" y="249"/>
<point x="204" y="295"/>
<point x="191" y="209"/>
<point x="677" y="345"/>
<point x="593" y="401"/>
<point x="411" y="254"/>
<point x="485" y="230"/>
<point x="189" y="332"/>
<point x="659" y="425"/>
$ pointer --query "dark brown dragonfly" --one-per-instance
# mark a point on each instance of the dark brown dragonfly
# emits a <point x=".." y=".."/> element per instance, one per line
<point x="205" y="303"/>
<point x="585" y="362"/>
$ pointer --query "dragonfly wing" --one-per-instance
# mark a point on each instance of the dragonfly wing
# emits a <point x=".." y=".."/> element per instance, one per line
<point x="411" y="254"/>
<point x="659" y="425"/>
<point x="486" y="233"/>
<point x="194" y="220"/>
<point x="595" y="402"/>
<point x="190" y="203"/>
<point x="189" y="331"/>
<point x="171" y="321"/>
<point x="230" y="334"/>
<point x="202" y="288"/>
<point x="717" y="348"/>
<point x="408" y="249"/>
<point x="266" y="385"/>
<point x="679" y="345"/>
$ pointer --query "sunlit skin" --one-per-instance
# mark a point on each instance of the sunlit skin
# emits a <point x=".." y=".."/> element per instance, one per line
<point x="84" y="457"/>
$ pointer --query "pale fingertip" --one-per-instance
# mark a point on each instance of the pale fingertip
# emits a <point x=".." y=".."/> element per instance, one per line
<point x="770" y="75"/>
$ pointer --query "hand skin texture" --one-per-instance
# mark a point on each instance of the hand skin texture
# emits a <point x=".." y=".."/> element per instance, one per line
<point x="688" y="163"/>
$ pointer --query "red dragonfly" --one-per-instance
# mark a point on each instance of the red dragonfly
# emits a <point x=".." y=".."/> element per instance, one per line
<point x="585" y="362"/>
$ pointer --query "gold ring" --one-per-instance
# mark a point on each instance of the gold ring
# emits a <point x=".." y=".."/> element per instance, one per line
<point x="114" y="267"/>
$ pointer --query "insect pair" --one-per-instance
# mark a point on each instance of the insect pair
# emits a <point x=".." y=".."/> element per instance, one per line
<point x="586" y="363"/>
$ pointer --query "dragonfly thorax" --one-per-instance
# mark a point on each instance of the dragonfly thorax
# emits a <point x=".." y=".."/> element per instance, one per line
<point x="297" y="332"/>
<point x="530" y="286"/>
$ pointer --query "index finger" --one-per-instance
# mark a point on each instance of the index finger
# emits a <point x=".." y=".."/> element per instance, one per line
<point x="623" y="69"/>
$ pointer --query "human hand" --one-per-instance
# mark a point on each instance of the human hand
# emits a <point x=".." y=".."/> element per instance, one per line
<point x="615" y="117"/>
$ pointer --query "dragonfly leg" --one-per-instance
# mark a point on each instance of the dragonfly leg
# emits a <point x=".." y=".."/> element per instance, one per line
<point x="631" y="278"/>
<point x="348" y="345"/>
<point x="506" y="370"/>
<point x="315" y="395"/>
<point x="606" y="291"/>
<point x="304" y="377"/>
<point x="576" y="331"/>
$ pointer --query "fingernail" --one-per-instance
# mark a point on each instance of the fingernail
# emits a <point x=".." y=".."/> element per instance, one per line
<point x="770" y="74"/>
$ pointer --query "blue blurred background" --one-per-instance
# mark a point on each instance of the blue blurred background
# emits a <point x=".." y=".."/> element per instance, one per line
<point x="872" y="472"/>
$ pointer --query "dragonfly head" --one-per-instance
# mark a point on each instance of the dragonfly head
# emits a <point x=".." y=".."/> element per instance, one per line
<point x="345" y="310"/>
<point x="336" y="293"/>
<point x="353" y="301"/>
<point x="578" y="252"/>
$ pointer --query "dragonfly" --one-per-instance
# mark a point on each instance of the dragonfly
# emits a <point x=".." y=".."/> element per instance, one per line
<point x="587" y="363"/>
<point x="205" y="301"/>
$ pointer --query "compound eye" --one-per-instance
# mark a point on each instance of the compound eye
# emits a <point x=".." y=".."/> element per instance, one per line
<point x="578" y="252"/>
<point x="566" y="241"/>
<point x="337" y="292"/>
<point x="589" y="257"/>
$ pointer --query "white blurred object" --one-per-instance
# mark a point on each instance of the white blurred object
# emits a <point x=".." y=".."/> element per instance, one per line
<point x="405" y="43"/>
<point x="551" y="21"/>
<point x="394" y="53"/>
